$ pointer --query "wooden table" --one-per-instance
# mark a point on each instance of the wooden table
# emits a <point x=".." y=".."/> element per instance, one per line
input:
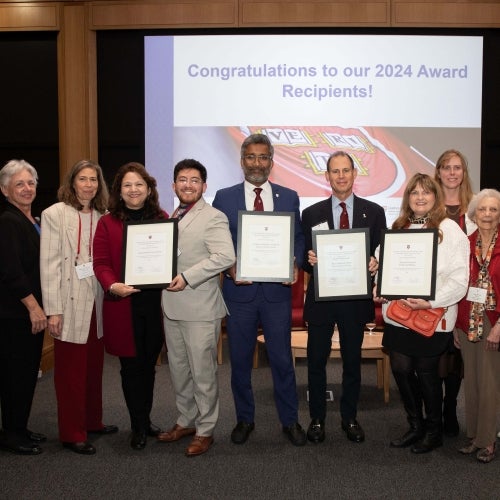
<point x="371" y="349"/>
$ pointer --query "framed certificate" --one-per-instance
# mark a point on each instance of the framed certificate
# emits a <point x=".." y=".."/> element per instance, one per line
<point x="342" y="269"/>
<point x="265" y="246"/>
<point x="407" y="265"/>
<point x="150" y="253"/>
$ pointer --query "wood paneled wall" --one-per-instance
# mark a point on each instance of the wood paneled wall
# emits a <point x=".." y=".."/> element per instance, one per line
<point x="77" y="22"/>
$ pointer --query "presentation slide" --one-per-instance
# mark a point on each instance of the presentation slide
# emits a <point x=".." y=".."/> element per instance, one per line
<point x="393" y="102"/>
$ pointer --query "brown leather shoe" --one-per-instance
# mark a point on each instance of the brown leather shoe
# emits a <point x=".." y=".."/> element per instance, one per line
<point x="175" y="433"/>
<point x="199" y="445"/>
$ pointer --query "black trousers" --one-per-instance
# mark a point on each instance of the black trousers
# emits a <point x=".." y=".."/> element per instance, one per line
<point x="138" y="372"/>
<point x="20" y="354"/>
<point x="351" y="332"/>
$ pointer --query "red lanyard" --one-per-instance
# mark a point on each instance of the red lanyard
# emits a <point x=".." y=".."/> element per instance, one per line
<point x="80" y="237"/>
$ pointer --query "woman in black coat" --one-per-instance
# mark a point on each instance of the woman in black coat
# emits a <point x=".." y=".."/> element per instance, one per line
<point x="21" y="314"/>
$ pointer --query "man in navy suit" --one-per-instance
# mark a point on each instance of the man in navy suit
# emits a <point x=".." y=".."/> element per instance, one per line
<point x="349" y="315"/>
<point x="260" y="304"/>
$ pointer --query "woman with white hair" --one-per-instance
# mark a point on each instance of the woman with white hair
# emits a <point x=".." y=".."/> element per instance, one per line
<point x="478" y="328"/>
<point x="21" y="314"/>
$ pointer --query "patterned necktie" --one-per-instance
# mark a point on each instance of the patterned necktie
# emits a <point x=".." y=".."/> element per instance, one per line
<point x="181" y="210"/>
<point x="344" y="217"/>
<point x="258" y="204"/>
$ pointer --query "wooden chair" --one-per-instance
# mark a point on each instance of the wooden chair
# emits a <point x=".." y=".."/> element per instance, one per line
<point x="298" y="295"/>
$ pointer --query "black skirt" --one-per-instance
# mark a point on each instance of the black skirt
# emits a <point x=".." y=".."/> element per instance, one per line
<point x="410" y="343"/>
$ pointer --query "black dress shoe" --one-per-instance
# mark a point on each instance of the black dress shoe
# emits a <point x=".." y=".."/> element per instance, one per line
<point x="36" y="437"/>
<point x="353" y="430"/>
<point x="316" y="431"/>
<point x="138" y="440"/>
<point x="296" y="434"/>
<point x="20" y="448"/>
<point x="430" y="441"/>
<point x="83" y="448"/>
<point x="407" y="439"/>
<point x="153" y="431"/>
<point x="241" y="432"/>
<point x="107" y="429"/>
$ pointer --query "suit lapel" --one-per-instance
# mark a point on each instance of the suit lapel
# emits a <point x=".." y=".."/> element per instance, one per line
<point x="71" y="222"/>
<point x="192" y="214"/>
<point x="240" y="200"/>
<point x="325" y="213"/>
<point x="277" y="200"/>
<point x="359" y="213"/>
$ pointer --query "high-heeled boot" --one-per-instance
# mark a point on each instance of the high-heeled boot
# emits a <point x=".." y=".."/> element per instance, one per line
<point x="432" y="395"/>
<point x="412" y="400"/>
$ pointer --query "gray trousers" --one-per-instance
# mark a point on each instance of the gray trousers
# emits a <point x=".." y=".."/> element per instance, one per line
<point x="482" y="387"/>
<point x="192" y="358"/>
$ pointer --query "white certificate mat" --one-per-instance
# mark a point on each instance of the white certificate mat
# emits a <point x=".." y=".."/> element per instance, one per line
<point x="342" y="269"/>
<point x="265" y="246"/>
<point x="407" y="266"/>
<point x="150" y="253"/>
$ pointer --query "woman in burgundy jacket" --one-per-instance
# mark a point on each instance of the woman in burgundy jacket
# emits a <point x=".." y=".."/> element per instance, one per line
<point x="132" y="318"/>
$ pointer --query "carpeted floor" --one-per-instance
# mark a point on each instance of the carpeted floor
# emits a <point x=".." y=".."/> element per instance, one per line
<point x="266" y="467"/>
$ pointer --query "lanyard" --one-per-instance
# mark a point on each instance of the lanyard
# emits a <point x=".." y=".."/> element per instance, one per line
<point x="80" y="238"/>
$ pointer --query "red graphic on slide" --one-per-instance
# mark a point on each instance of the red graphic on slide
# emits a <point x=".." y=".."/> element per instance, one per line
<point x="383" y="161"/>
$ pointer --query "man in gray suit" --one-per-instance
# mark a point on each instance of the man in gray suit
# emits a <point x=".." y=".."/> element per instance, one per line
<point x="193" y="308"/>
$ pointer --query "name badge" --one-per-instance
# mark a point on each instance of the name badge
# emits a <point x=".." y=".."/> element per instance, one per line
<point x="84" y="270"/>
<point x="476" y="295"/>
<point x="321" y="226"/>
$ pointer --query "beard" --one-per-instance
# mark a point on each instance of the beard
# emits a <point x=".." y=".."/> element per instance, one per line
<point x="256" y="175"/>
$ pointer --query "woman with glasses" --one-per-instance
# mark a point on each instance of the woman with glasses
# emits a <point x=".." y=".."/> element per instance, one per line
<point x="414" y="357"/>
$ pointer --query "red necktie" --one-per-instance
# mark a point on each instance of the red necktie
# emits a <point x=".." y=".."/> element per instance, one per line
<point x="344" y="217"/>
<point x="258" y="205"/>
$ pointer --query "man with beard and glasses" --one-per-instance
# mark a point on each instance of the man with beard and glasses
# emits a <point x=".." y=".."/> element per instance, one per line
<point x="263" y="304"/>
<point x="193" y="309"/>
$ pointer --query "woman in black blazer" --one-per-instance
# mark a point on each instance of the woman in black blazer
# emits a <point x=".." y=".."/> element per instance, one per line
<point x="21" y="314"/>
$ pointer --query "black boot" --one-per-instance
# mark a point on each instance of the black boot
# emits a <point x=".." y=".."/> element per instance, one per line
<point x="412" y="400"/>
<point x="450" y="422"/>
<point x="432" y="395"/>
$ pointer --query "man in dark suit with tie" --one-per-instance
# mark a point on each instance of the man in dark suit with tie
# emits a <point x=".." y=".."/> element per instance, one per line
<point x="342" y="210"/>
<point x="260" y="304"/>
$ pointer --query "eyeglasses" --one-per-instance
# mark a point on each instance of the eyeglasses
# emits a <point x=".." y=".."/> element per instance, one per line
<point x="261" y="158"/>
<point x="195" y="181"/>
